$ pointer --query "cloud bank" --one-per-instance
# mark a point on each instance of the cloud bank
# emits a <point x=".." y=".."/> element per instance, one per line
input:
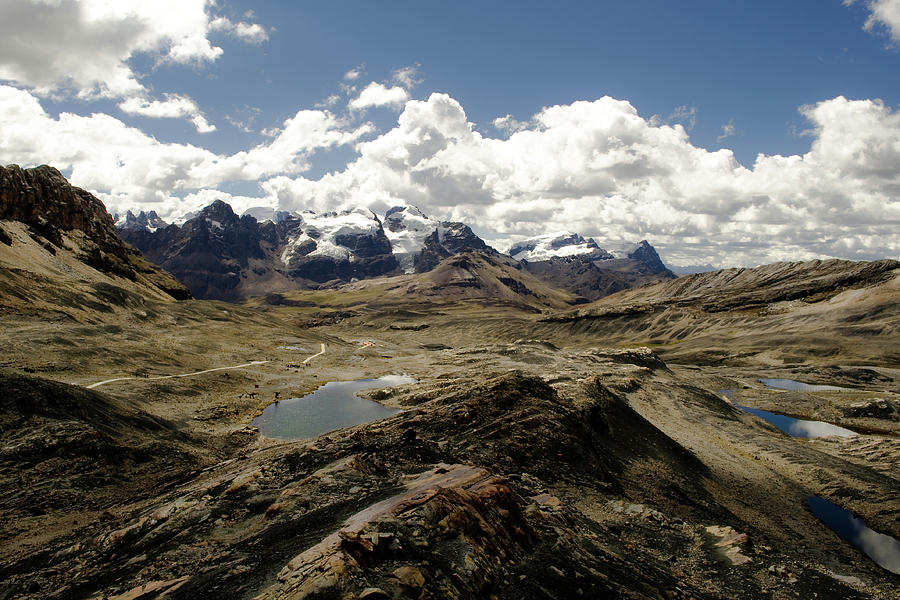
<point x="83" y="48"/>
<point x="597" y="167"/>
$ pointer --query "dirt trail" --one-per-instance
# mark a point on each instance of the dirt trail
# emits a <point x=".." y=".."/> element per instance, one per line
<point x="243" y="366"/>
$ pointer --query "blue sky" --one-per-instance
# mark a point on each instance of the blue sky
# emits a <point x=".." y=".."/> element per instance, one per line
<point x="170" y="113"/>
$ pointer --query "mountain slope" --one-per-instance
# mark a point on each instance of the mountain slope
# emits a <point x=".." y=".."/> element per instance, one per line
<point x="59" y="248"/>
<point x="824" y="312"/>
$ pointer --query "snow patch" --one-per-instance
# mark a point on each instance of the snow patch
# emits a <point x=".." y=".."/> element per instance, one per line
<point x="323" y="229"/>
<point x="551" y="245"/>
<point x="407" y="228"/>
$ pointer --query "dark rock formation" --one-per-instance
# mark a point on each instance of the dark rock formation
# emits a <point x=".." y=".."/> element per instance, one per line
<point x="449" y="239"/>
<point x="53" y="209"/>
<point x="213" y="252"/>
<point x="149" y="221"/>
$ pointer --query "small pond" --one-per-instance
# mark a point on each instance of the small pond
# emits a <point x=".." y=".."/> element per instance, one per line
<point x="799" y="427"/>
<point x="882" y="549"/>
<point x="332" y="406"/>
<point x="798" y="386"/>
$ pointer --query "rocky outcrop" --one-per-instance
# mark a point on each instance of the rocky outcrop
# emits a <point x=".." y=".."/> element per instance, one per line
<point x="448" y="239"/>
<point x="42" y="198"/>
<point x="60" y="215"/>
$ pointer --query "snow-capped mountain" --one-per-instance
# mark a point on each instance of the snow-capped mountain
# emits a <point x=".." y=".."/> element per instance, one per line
<point x="407" y="228"/>
<point x="220" y="255"/>
<point x="338" y="245"/>
<point x="550" y="245"/>
<point x="569" y="261"/>
<point x="419" y="243"/>
<point x="146" y="221"/>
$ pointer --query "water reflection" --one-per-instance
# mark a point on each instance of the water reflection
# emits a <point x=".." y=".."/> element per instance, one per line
<point x="799" y="427"/>
<point x="333" y="406"/>
<point x="798" y="386"/>
<point x="881" y="548"/>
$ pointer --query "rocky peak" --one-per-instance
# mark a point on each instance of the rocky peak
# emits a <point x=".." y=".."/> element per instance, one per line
<point x="406" y="218"/>
<point x="42" y="198"/>
<point x="555" y="245"/>
<point x="219" y="215"/>
<point x="70" y="217"/>
<point x="143" y="221"/>
<point x="646" y="254"/>
<point x="449" y="238"/>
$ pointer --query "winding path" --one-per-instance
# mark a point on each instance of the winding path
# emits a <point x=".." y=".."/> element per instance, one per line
<point x="249" y="364"/>
<point x="309" y="358"/>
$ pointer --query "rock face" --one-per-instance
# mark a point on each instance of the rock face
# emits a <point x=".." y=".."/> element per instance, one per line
<point x="214" y="252"/>
<point x="60" y="215"/>
<point x="339" y="246"/>
<point x="420" y="243"/>
<point x="448" y="239"/>
<point x="144" y="221"/>
<point x="219" y="255"/>
<point x="578" y="265"/>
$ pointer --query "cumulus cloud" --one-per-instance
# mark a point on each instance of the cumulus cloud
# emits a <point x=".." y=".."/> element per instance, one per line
<point x="85" y="45"/>
<point x="129" y="169"/>
<point x="508" y="124"/>
<point x="378" y="94"/>
<point x="601" y="168"/>
<point x="882" y="13"/>
<point x="175" y="106"/>
<point x="597" y="167"/>
<point x="85" y="48"/>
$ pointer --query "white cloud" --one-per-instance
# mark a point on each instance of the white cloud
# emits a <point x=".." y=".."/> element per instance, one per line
<point x="329" y="101"/>
<point x="882" y="13"/>
<point x="355" y="73"/>
<point x="686" y="115"/>
<point x="252" y="33"/>
<point x="175" y="106"/>
<point x="377" y="94"/>
<point x="600" y="168"/>
<point x="408" y="77"/>
<point x="129" y="169"/>
<point x="597" y="167"/>
<point x="728" y="130"/>
<point x="84" y="46"/>
<point x="508" y="124"/>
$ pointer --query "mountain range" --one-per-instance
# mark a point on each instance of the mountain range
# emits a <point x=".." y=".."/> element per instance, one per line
<point x="219" y="255"/>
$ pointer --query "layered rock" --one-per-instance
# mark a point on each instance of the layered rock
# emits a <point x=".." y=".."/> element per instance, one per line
<point x="60" y="216"/>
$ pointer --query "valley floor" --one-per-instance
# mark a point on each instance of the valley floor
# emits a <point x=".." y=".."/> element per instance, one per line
<point x="534" y="458"/>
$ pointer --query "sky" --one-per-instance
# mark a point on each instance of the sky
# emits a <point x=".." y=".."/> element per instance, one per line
<point x="726" y="133"/>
